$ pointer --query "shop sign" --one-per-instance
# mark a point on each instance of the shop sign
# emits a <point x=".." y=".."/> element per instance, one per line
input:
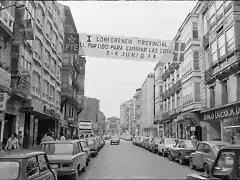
<point x="3" y="100"/>
<point x="20" y="86"/>
<point x="5" y="78"/>
<point x="71" y="43"/>
<point x="6" y="18"/>
<point x="51" y="112"/>
<point x="223" y="113"/>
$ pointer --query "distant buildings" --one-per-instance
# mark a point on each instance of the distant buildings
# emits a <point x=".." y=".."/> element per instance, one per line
<point x="113" y="125"/>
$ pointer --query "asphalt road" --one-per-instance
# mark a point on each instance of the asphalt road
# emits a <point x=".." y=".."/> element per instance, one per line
<point x="127" y="161"/>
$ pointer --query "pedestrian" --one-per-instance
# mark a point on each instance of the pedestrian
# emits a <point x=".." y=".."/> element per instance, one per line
<point x="62" y="137"/>
<point x="43" y="139"/>
<point x="20" y="139"/>
<point x="193" y="137"/>
<point x="12" y="142"/>
<point x="48" y="137"/>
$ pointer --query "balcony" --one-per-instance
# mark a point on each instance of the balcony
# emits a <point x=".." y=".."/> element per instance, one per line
<point x="67" y="90"/>
<point x="178" y="86"/>
<point x="172" y="68"/>
<point x="20" y="87"/>
<point x="212" y="102"/>
<point x="168" y="93"/>
<point x="206" y="40"/>
<point x="75" y="84"/>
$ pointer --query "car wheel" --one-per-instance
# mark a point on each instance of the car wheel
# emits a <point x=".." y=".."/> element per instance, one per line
<point x="170" y="157"/>
<point x="75" y="175"/>
<point x="163" y="153"/>
<point x="206" y="168"/>
<point x="191" y="164"/>
<point x="87" y="162"/>
<point x="84" y="169"/>
<point x="181" y="161"/>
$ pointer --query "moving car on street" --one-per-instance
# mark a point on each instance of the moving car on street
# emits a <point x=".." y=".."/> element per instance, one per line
<point x="205" y="154"/>
<point x="165" y="144"/>
<point x="225" y="166"/>
<point x="182" y="150"/>
<point x="25" y="164"/>
<point x="66" y="157"/>
<point x="86" y="149"/>
<point x="93" y="146"/>
<point x="115" y="140"/>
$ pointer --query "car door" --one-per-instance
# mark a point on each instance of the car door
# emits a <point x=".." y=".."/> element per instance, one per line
<point x="82" y="156"/>
<point x="44" y="168"/>
<point x="77" y="158"/>
<point x="198" y="155"/>
<point x="160" y="145"/>
<point x="208" y="155"/>
<point x="33" y="172"/>
<point x="176" y="148"/>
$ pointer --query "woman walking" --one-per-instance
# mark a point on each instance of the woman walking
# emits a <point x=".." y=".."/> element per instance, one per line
<point x="12" y="142"/>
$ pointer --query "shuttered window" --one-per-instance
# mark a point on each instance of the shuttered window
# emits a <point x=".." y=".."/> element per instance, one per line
<point x="197" y="92"/>
<point x="224" y="93"/>
<point x="212" y="96"/>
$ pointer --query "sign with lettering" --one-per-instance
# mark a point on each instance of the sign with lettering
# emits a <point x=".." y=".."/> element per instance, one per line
<point x="222" y="113"/>
<point x="129" y="48"/>
<point x="71" y="43"/>
<point x="51" y="112"/>
<point x="6" y="18"/>
<point x="3" y="100"/>
<point x="85" y="125"/>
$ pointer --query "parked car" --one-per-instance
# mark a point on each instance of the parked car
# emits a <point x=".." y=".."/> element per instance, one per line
<point x="165" y="144"/>
<point x="100" y="143"/>
<point x="134" y="140"/>
<point x="205" y="154"/>
<point x="93" y="146"/>
<point x="182" y="150"/>
<point x="225" y="166"/>
<point x="86" y="149"/>
<point x="66" y="157"/>
<point x="153" y="144"/>
<point x="115" y="140"/>
<point x="25" y="164"/>
<point x="146" y="142"/>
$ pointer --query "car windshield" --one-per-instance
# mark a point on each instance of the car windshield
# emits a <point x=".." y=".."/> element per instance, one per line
<point x="83" y="143"/>
<point x="90" y="141"/>
<point x="190" y="144"/>
<point x="58" y="148"/>
<point x="217" y="147"/>
<point x="170" y="141"/>
<point x="9" y="170"/>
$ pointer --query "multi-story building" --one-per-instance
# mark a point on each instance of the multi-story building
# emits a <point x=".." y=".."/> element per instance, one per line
<point x="136" y="113"/>
<point x="220" y="68"/>
<point x="6" y="36"/>
<point x="147" y="126"/>
<point x="113" y="125"/>
<point x="35" y="72"/>
<point x="91" y="112"/>
<point x="125" y="115"/>
<point x="73" y="70"/>
<point x="101" y="123"/>
<point x="158" y="101"/>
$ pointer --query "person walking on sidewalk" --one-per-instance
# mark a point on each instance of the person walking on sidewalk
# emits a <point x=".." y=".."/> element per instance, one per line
<point x="12" y="142"/>
<point x="20" y="139"/>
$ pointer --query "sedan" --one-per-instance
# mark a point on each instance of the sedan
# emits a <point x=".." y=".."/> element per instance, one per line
<point x="205" y="154"/>
<point x="66" y="157"/>
<point x="86" y="149"/>
<point x="25" y="164"/>
<point x="182" y="150"/>
<point x="93" y="146"/>
<point x="115" y="140"/>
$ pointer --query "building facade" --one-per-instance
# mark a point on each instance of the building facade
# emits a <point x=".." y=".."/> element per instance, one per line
<point x="136" y="112"/>
<point x="126" y="114"/>
<point x="72" y="89"/>
<point x="113" y="125"/>
<point x="158" y="101"/>
<point x="220" y="69"/>
<point x="102" y="123"/>
<point x="147" y="126"/>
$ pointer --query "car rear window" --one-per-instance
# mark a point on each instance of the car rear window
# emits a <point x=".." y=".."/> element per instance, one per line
<point x="9" y="170"/>
<point x="57" y="149"/>
<point x="170" y="141"/>
<point x="90" y="141"/>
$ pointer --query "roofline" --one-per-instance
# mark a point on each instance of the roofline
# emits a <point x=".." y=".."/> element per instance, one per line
<point x="71" y="16"/>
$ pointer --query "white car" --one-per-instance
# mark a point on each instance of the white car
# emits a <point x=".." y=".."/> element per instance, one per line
<point x="115" y="140"/>
<point x="165" y="144"/>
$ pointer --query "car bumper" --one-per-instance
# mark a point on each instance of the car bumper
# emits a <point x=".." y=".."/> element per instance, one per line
<point x="114" y="141"/>
<point x="187" y="157"/>
<point x="65" y="171"/>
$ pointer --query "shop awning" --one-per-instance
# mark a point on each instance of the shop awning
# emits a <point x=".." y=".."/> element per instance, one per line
<point x="186" y="118"/>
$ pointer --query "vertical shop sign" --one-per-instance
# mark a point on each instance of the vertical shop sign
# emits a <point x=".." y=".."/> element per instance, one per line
<point x="3" y="100"/>
<point x="71" y="43"/>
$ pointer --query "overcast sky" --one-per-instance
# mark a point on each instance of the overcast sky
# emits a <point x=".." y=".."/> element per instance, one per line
<point x="114" y="81"/>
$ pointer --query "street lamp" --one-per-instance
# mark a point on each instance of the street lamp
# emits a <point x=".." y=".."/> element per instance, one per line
<point x="17" y="5"/>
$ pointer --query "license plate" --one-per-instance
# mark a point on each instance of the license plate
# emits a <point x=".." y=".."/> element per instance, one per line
<point x="54" y="166"/>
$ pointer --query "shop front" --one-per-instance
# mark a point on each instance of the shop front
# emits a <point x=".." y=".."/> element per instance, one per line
<point x="168" y="123"/>
<point x="223" y="123"/>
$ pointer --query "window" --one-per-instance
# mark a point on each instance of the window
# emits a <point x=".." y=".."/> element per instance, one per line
<point x="38" y="46"/>
<point x="181" y="59"/>
<point x="178" y="100"/>
<point x="9" y="169"/>
<point x="173" y="102"/>
<point x="214" y="52"/>
<point x="197" y="92"/>
<point x="212" y="96"/>
<point x="195" y="30"/>
<point x="70" y="80"/>
<point x="40" y="15"/>
<point x="212" y="10"/>
<point x="42" y="163"/>
<point x="32" y="167"/>
<point x="54" y="39"/>
<point x="53" y="66"/>
<point x="224" y="92"/>
<point x="46" y="89"/>
<point x="205" y="24"/>
<point x="221" y="45"/>
<point x="49" y="29"/>
<point x="196" y="60"/>
<point x="218" y="4"/>
<point x="200" y="147"/>
<point x="219" y="13"/>
<point x="52" y="93"/>
<point x="169" y="105"/>
<point x="58" y="98"/>
<point x="230" y="41"/>
<point x="36" y="83"/>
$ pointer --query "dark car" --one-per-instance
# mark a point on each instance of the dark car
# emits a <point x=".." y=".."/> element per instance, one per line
<point x="181" y="150"/>
<point x="225" y="166"/>
<point x="93" y="146"/>
<point x="25" y="164"/>
<point x="86" y="149"/>
<point x="153" y="144"/>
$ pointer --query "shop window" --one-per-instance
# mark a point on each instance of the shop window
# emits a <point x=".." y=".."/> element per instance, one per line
<point x="224" y="92"/>
<point x="214" y="52"/>
<point x="212" y="96"/>
<point x="230" y="40"/>
<point x="195" y="30"/>
<point x="221" y="45"/>
<point x="197" y="92"/>
<point x="196" y="60"/>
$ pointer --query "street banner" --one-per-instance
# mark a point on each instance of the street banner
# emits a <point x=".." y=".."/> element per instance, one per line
<point x="71" y="43"/>
<point x="3" y="100"/>
<point x="26" y="29"/>
<point x="128" y="48"/>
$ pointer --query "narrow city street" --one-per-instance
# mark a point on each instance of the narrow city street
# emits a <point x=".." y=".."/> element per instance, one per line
<point x="127" y="161"/>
